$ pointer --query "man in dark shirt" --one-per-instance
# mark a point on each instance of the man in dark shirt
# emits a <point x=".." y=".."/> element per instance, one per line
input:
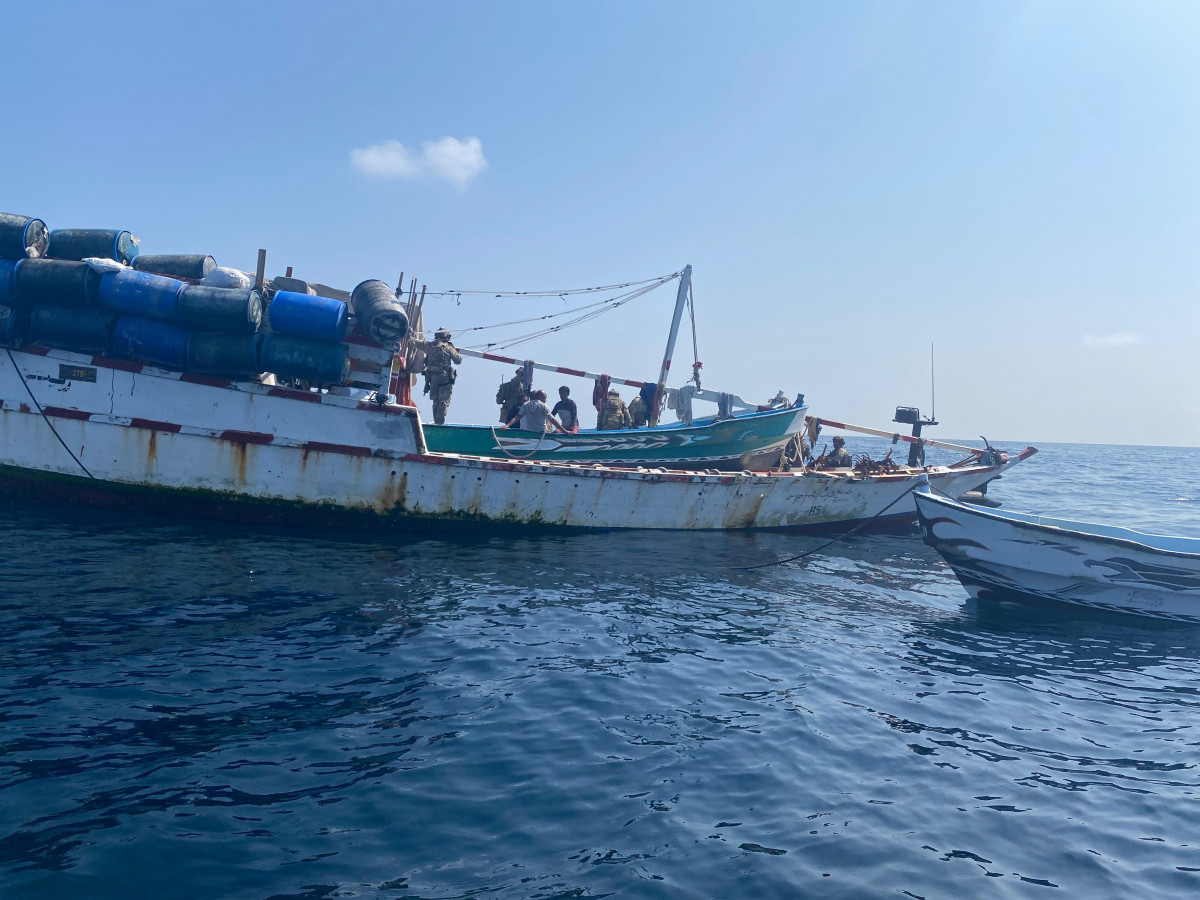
<point x="565" y="410"/>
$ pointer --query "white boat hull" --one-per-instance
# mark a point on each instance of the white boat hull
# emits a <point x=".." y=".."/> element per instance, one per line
<point x="1000" y="555"/>
<point x="164" y="441"/>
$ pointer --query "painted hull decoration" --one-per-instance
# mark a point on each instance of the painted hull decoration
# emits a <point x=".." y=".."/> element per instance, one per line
<point x="165" y="441"/>
<point x="752" y="441"/>
<point x="1007" y="555"/>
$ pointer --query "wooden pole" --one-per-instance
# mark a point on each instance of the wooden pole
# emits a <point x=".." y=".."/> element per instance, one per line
<point x="908" y="439"/>
<point x="260" y="276"/>
<point x="685" y="281"/>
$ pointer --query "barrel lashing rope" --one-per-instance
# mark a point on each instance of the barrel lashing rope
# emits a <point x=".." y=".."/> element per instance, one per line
<point x="840" y="537"/>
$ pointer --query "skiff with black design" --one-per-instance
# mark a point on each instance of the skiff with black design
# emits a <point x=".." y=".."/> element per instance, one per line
<point x="1010" y="555"/>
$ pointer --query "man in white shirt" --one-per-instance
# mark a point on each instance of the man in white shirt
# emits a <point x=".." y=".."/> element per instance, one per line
<point x="534" y="414"/>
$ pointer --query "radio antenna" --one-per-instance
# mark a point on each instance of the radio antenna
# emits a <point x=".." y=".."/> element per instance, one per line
<point x="932" y="386"/>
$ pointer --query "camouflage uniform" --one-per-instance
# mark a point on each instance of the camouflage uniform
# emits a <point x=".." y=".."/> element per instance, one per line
<point x="638" y="412"/>
<point x="511" y="397"/>
<point x="613" y="414"/>
<point x="840" y="457"/>
<point x="440" y="357"/>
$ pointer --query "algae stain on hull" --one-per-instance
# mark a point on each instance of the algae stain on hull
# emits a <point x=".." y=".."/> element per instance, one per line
<point x="152" y="453"/>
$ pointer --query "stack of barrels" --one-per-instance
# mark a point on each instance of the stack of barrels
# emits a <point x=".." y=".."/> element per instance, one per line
<point x="157" y="309"/>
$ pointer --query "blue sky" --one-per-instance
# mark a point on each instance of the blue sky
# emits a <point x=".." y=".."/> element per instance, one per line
<point x="1018" y="183"/>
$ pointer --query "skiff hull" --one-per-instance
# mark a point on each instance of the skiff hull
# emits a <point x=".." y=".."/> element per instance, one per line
<point x="1003" y="555"/>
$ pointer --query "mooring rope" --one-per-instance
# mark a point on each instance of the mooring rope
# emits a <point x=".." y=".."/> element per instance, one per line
<point x="45" y="418"/>
<point x="104" y="487"/>
<point x="531" y="453"/>
<point x="840" y="537"/>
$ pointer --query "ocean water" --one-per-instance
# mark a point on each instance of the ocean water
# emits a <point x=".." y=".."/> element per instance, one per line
<point x="215" y="712"/>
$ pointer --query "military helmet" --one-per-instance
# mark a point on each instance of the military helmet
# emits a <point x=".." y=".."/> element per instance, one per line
<point x="442" y="333"/>
<point x="839" y="441"/>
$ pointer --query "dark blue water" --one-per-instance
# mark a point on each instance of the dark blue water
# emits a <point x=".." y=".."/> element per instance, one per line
<point x="189" y="711"/>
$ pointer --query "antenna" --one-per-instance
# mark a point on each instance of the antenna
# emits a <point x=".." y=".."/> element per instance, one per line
<point x="932" y="386"/>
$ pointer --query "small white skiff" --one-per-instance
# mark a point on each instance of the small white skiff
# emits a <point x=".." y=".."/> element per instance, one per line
<point x="1008" y="555"/>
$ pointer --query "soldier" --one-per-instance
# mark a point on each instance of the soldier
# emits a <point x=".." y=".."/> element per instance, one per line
<point x="440" y="358"/>
<point x="512" y="396"/>
<point x="613" y="414"/>
<point x="840" y="457"/>
<point x="638" y="412"/>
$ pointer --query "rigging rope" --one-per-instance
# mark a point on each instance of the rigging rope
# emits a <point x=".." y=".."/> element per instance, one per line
<point x="586" y="313"/>
<point x="570" y="323"/>
<point x="613" y="302"/>
<point x="588" y="290"/>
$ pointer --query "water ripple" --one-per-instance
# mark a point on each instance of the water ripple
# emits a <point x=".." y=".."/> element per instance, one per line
<point x="279" y="715"/>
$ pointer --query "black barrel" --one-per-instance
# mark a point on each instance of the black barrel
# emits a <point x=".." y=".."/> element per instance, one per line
<point x="102" y="243"/>
<point x="205" y="308"/>
<point x="87" y="330"/>
<point x="22" y="237"/>
<point x="56" y="282"/>
<point x="8" y="269"/>
<point x="14" y="326"/>
<point x="221" y="353"/>
<point x="294" y="357"/>
<point x="380" y="315"/>
<point x="176" y="266"/>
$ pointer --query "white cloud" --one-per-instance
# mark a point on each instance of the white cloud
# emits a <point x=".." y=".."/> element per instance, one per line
<point x="456" y="161"/>
<point x="1120" y="339"/>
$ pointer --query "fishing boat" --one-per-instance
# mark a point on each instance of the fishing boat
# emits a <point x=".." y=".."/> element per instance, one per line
<point x="122" y="433"/>
<point x="741" y="436"/>
<point x="1017" y="556"/>
<point x="752" y="441"/>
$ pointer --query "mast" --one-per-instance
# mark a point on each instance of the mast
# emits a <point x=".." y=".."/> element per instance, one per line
<point x="685" y="281"/>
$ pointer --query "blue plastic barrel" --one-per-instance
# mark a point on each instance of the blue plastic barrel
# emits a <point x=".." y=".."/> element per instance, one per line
<point x="306" y="316"/>
<point x="220" y="353"/>
<point x="82" y="243"/>
<point x="204" y="308"/>
<point x="86" y="330"/>
<point x="55" y="282"/>
<point x="156" y="342"/>
<point x="380" y="313"/>
<point x="194" y="266"/>
<point x="293" y="357"/>
<point x="8" y="296"/>
<point x="22" y="237"/>
<point x="141" y="294"/>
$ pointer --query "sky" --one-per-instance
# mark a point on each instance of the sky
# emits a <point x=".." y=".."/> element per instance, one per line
<point x="1011" y="189"/>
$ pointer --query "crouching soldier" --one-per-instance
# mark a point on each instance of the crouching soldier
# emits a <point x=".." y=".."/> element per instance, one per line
<point x="512" y="396"/>
<point x="613" y="413"/>
<point x="840" y="457"/>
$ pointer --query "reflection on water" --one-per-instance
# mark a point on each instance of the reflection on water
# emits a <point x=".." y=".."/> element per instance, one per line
<point x="269" y="715"/>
